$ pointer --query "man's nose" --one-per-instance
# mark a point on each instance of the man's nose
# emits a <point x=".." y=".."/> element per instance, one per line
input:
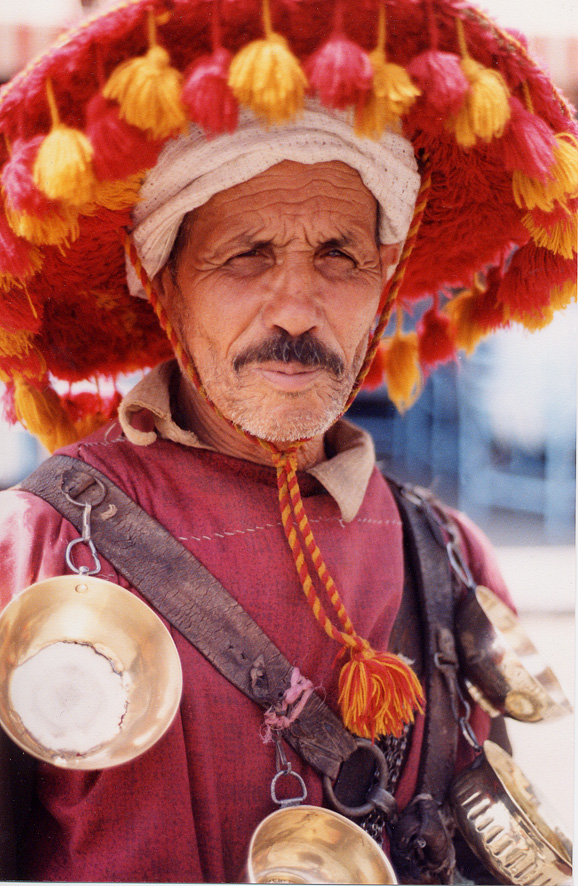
<point x="293" y="298"/>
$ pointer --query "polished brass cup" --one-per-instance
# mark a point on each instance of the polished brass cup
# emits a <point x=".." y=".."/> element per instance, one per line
<point x="508" y="825"/>
<point x="307" y="844"/>
<point x="127" y="638"/>
<point x="502" y="667"/>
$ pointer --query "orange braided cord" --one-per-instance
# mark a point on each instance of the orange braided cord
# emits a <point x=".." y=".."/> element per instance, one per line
<point x="286" y="477"/>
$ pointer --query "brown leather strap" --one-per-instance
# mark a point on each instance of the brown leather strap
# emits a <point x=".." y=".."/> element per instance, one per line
<point x="190" y="598"/>
<point x="421" y="838"/>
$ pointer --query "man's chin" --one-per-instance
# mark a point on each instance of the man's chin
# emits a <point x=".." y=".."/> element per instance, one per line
<point x="289" y="429"/>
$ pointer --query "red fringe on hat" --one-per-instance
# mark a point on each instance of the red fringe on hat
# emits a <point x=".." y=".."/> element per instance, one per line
<point x="340" y="72"/>
<point x="120" y="149"/>
<point x="19" y="311"/>
<point x="528" y="142"/>
<point x="207" y="95"/>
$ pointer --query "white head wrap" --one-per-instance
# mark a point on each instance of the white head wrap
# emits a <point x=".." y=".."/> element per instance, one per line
<point x="192" y="168"/>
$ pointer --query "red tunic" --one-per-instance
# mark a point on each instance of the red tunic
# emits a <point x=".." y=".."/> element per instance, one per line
<point x="185" y="810"/>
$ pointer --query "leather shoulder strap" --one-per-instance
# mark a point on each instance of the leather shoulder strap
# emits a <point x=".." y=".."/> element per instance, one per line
<point x="192" y="599"/>
<point x="420" y="840"/>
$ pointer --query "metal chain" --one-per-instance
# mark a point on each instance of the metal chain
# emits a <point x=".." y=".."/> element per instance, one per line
<point x="394" y="750"/>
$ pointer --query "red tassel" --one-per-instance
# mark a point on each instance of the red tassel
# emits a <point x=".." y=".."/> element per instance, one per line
<point x="528" y="142"/>
<point x="120" y="149"/>
<point x="207" y="96"/>
<point x="341" y="72"/>
<point x="375" y="377"/>
<point x="436" y="341"/>
<point x="443" y="87"/>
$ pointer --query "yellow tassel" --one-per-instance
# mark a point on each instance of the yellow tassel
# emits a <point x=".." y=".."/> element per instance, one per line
<point x="560" y="238"/>
<point x="562" y="182"/>
<point x="50" y="229"/>
<point x="393" y="91"/>
<point x="267" y="78"/>
<point x="63" y="166"/>
<point x="43" y="415"/>
<point x="486" y="109"/>
<point x="402" y="369"/>
<point x="148" y="90"/>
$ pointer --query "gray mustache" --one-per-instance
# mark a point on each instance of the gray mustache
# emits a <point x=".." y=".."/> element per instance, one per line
<point x="283" y="348"/>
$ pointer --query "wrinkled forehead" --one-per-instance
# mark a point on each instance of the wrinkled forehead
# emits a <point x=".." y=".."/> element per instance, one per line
<point x="320" y="202"/>
<point x="191" y="170"/>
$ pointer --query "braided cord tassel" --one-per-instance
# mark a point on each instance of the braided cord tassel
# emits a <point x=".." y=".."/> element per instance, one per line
<point x="378" y="692"/>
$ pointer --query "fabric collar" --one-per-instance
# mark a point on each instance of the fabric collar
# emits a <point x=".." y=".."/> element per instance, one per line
<point x="145" y="414"/>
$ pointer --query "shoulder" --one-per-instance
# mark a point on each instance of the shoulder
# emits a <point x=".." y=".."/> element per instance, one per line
<point x="33" y="539"/>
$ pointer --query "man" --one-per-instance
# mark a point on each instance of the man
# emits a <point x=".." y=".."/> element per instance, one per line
<point x="271" y="257"/>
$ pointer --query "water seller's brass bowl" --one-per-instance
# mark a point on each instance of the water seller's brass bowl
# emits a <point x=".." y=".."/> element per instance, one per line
<point x="126" y="645"/>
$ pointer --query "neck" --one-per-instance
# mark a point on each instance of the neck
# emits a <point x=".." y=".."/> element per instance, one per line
<point x="194" y="413"/>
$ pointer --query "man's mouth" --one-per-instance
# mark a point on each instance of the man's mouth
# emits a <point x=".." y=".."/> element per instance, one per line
<point x="289" y="377"/>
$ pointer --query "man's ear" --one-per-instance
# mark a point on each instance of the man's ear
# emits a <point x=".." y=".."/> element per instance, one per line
<point x="390" y="254"/>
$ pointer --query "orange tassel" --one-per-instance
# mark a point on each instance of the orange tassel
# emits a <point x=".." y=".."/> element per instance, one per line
<point x="43" y="414"/>
<point x="475" y="312"/>
<point x="402" y="368"/>
<point x="378" y="693"/>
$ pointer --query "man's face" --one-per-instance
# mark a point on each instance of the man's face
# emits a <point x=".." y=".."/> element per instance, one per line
<point x="273" y="292"/>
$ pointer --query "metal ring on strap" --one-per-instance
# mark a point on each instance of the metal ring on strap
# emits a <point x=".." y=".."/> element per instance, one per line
<point x="378" y="797"/>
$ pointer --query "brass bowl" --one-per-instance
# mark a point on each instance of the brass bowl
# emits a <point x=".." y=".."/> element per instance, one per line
<point x="307" y="844"/>
<point x="503" y="669"/>
<point x="507" y="825"/>
<point x="89" y="675"/>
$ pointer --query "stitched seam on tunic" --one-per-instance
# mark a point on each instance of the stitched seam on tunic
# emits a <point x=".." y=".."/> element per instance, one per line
<point x="226" y="533"/>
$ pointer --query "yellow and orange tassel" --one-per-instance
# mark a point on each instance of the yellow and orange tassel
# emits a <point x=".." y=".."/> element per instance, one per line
<point x="402" y="367"/>
<point x="378" y="693"/>
<point x="266" y="77"/>
<point x="43" y="415"/>
<point x="148" y="90"/>
<point x="393" y="91"/>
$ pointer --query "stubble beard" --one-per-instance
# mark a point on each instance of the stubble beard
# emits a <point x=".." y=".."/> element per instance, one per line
<point x="277" y="416"/>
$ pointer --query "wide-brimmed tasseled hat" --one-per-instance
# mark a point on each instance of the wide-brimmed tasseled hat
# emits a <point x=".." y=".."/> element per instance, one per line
<point x="494" y="140"/>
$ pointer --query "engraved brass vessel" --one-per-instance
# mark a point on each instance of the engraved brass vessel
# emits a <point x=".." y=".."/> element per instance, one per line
<point x="507" y="824"/>
<point x="98" y="615"/>
<point x="503" y="669"/>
